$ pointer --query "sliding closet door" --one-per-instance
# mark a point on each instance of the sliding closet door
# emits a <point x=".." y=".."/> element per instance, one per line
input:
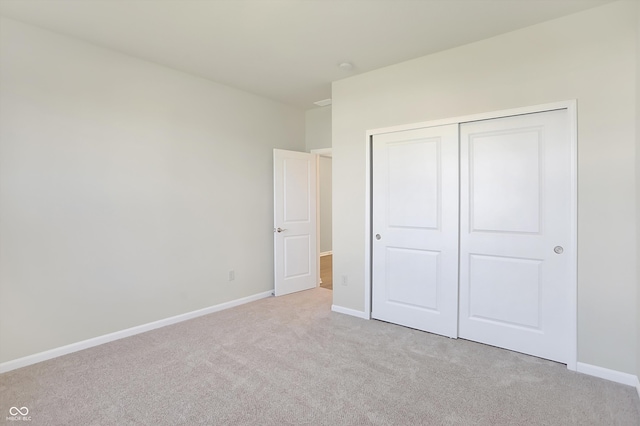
<point x="515" y="236"/>
<point x="415" y="229"/>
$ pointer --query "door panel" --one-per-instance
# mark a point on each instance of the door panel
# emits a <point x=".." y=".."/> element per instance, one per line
<point x="297" y="255"/>
<point x="515" y="195"/>
<point x="505" y="181"/>
<point x="495" y="280"/>
<point x="296" y="188"/>
<point x="413" y="169"/>
<point x="409" y="270"/>
<point x="295" y="250"/>
<point x="415" y="213"/>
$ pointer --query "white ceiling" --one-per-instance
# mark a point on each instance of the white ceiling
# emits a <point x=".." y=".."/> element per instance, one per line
<point x="286" y="50"/>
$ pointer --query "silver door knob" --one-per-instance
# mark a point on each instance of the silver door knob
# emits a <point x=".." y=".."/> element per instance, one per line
<point x="378" y="236"/>
<point x="280" y="230"/>
<point x="558" y="249"/>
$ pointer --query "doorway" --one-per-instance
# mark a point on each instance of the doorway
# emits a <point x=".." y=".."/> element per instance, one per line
<point x="325" y="226"/>
<point x="302" y="220"/>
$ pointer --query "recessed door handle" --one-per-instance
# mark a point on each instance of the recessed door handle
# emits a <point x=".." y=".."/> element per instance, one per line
<point x="278" y="230"/>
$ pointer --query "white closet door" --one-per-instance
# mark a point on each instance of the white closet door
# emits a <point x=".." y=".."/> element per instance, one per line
<point x="415" y="229"/>
<point x="515" y="236"/>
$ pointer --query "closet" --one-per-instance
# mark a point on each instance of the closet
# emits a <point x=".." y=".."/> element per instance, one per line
<point x="473" y="231"/>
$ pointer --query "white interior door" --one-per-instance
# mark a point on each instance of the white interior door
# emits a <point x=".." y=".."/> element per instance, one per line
<point x="515" y="237"/>
<point x="415" y="227"/>
<point x="295" y="248"/>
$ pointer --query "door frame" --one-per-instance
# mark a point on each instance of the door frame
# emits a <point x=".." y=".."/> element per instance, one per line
<point x="571" y="107"/>
<point x="320" y="152"/>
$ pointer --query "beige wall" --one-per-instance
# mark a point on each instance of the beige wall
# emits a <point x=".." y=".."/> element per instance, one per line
<point x="591" y="57"/>
<point x="318" y="136"/>
<point x="128" y="191"/>
<point x="638" y="185"/>
<point x="318" y="128"/>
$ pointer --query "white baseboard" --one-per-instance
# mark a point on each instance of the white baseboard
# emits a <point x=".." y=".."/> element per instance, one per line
<point x="352" y="312"/>
<point x="613" y="375"/>
<point x="85" y="344"/>
<point x="326" y="253"/>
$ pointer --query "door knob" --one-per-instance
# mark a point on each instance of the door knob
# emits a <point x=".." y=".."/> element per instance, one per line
<point x="378" y="236"/>
<point x="558" y="249"/>
<point x="280" y="230"/>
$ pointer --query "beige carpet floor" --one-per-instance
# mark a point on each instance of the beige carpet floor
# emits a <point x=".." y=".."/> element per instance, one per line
<point x="291" y="361"/>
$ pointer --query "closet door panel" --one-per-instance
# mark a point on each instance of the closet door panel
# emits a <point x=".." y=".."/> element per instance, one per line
<point x="415" y="229"/>
<point x="515" y="230"/>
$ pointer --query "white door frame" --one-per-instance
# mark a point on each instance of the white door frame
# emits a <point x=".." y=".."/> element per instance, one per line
<point x="571" y="107"/>
<point x="321" y="152"/>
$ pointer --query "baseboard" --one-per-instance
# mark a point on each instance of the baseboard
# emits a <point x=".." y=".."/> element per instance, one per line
<point x="86" y="344"/>
<point x="352" y="312"/>
<point x="613" y="375"/>
<point x="326" y="253"/>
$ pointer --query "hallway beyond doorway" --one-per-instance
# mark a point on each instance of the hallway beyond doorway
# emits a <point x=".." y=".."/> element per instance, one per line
<point x="326" y="271"/>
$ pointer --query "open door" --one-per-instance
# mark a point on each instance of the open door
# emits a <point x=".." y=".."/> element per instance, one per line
<point x="294" y="221"/>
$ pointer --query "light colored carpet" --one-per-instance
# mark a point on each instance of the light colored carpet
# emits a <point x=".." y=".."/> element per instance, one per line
<point x="291" y="361"/>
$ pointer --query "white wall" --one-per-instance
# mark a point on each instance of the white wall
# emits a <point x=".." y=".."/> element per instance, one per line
<point x="591" y="57"/>
<point x="318" y="128"/>
<point x="128" y="190"/>
<point x="325" y="176"/>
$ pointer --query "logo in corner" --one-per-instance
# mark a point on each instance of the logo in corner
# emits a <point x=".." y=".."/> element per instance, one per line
<point x="19" y="414"/>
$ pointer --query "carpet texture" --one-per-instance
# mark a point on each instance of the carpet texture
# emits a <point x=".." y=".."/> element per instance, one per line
<point x="291" y="361"/>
